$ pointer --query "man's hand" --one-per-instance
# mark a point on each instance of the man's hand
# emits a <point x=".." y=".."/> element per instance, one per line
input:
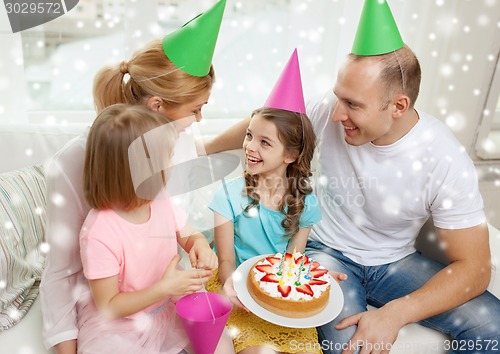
<point x="376" y="333"/>
<point x="338" y="276"/>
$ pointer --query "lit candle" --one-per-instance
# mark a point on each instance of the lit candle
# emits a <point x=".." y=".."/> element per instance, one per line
<point x="308" y="275"/>
<point x="297" y="282"/>
<point x="280" y="270"/>
<point x="302" y="261"/>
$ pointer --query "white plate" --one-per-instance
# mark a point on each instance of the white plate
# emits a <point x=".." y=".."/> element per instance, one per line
<point x="332" y="309"/>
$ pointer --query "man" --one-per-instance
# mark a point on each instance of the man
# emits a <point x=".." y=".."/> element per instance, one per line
<point x="384" y="168"/>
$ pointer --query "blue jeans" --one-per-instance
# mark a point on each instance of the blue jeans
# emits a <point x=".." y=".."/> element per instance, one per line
<point x="476" y="322"/>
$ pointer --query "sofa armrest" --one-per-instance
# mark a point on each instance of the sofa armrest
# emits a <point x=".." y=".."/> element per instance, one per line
<point x="428" y="243"/>
<point x="494" y="286"/>
<point x="34" y="144"/>
<point x="26" y="337"/>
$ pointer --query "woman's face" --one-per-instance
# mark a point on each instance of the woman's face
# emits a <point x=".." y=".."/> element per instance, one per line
<point x="187" y="113"/>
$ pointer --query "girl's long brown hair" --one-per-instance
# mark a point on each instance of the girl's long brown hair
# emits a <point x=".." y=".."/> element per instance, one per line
<point x="296" y="133"/>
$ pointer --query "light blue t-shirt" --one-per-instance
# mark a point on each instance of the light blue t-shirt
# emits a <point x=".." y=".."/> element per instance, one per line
<point x="261" y="233"/>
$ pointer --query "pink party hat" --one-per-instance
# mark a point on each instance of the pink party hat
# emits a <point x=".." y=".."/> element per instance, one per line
<point x="287" y="92"/>
<point x="204" y="316"/>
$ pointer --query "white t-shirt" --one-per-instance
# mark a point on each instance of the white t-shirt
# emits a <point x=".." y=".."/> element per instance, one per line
<point x="375" y="199"/>
<point x="185" y="180"/>
<point x="185" y="152"/>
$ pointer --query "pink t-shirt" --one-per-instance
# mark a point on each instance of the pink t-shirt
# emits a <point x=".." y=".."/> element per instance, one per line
<point x="137" y="253"/>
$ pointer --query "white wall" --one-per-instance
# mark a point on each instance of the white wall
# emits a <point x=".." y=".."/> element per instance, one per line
<point x="456" y="41"/>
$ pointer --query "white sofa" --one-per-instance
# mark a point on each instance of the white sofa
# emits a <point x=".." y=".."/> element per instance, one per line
<point x="33" y="145"/>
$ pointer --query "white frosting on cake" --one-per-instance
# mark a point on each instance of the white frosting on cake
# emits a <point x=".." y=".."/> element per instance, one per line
<point x="289" y="276"/>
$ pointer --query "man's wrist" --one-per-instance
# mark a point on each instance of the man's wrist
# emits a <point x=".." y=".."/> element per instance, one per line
<point x="400" y="311"/>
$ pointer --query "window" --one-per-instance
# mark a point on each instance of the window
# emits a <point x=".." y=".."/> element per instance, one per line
<point x="61" y="57"/>
<point x="488" y="139"/>
<point x="47" y="76"/>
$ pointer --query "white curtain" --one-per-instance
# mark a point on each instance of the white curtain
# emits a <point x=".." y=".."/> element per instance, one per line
<point x="12" y="89"/>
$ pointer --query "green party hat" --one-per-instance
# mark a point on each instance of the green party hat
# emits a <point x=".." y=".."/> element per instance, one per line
<point x="192" y="46"/>
<point x="377" y="31"/>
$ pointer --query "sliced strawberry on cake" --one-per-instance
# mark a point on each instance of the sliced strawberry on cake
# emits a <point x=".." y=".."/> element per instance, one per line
<point x="317" y="282"/>
<point x="318" y="273"/>
<point x="273" y="260"/>
<point x="314" y="265"/>
<point x="299" y="260"/>
<point x="265" y="268"/>
<point x="284" y="290"/>
<point x="271" y="278"/>
<point x="305" y="289"/>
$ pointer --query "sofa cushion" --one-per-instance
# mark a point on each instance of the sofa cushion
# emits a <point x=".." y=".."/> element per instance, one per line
<point x="34" y="144"/>
<point x="22" y="222"/>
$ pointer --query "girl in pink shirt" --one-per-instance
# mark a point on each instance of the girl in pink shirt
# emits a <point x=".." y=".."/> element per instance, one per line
<point x="129" y="239"/>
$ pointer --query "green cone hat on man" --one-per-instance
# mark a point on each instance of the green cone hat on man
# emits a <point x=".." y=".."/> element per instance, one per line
<point x="192" y="46"/>
<point x="377" y="31"/>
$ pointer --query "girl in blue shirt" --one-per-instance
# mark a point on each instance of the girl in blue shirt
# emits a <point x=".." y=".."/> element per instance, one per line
<point x="269" y="209"/>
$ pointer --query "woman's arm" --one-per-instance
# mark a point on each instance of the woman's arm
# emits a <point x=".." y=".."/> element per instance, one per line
<point x="115" y="304"/>
<point x="230" y="139"/>
<point x="66" y="211"/>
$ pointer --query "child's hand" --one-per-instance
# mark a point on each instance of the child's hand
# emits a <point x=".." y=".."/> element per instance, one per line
<point x="229" y="291"/>
<point x="182" y="282"/>
<point x="202" y="256"/>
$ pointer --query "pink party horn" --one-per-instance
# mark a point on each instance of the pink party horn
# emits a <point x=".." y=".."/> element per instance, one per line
<point x="203" y="328"/>
<point x="287" y="92"/>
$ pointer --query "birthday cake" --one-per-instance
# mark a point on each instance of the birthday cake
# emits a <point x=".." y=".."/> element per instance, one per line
<point x="290" y="285"/>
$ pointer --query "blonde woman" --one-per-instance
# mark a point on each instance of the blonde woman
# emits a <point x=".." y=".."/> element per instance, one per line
<point x="177" y="88"/>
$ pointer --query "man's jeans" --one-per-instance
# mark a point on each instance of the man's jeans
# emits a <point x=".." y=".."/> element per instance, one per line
<point x="475" y="325"/>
